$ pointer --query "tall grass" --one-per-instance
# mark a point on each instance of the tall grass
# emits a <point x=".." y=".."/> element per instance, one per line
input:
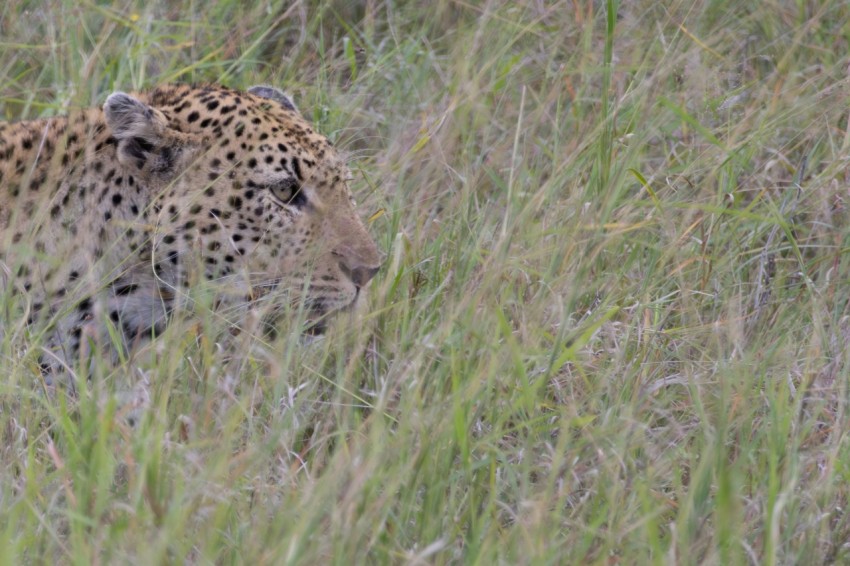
<point x="611" y="327"/>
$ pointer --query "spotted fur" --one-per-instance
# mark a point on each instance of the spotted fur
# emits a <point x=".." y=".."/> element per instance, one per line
<point x="116" y="212"/>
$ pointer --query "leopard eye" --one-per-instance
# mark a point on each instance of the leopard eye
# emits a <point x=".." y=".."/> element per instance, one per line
<point x="289" y="192"/>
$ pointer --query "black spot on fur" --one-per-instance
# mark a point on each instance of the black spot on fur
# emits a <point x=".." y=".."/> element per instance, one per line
<point x="124" y="290"/>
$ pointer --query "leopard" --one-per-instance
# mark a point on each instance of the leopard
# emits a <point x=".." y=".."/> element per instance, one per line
<point x="111" y="215"/>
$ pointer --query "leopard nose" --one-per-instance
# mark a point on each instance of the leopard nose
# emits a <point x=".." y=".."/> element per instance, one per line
<point x="359" y="275"/>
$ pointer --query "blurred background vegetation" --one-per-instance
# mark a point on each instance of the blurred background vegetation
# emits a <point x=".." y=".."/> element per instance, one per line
<point x="611" y="328"/>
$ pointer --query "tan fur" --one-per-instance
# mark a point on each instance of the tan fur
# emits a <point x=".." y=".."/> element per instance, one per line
<point x="116" y="211"/>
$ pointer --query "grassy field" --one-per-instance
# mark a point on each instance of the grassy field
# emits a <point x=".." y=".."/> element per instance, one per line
<point x="611" y="329"/>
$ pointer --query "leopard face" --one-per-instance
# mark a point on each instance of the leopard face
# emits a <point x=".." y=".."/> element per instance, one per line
<point x="120" y="210"/>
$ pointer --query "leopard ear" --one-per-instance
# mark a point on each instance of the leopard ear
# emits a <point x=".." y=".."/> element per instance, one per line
<point x="275" y="94"/>
<point x="141" y="133"/>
